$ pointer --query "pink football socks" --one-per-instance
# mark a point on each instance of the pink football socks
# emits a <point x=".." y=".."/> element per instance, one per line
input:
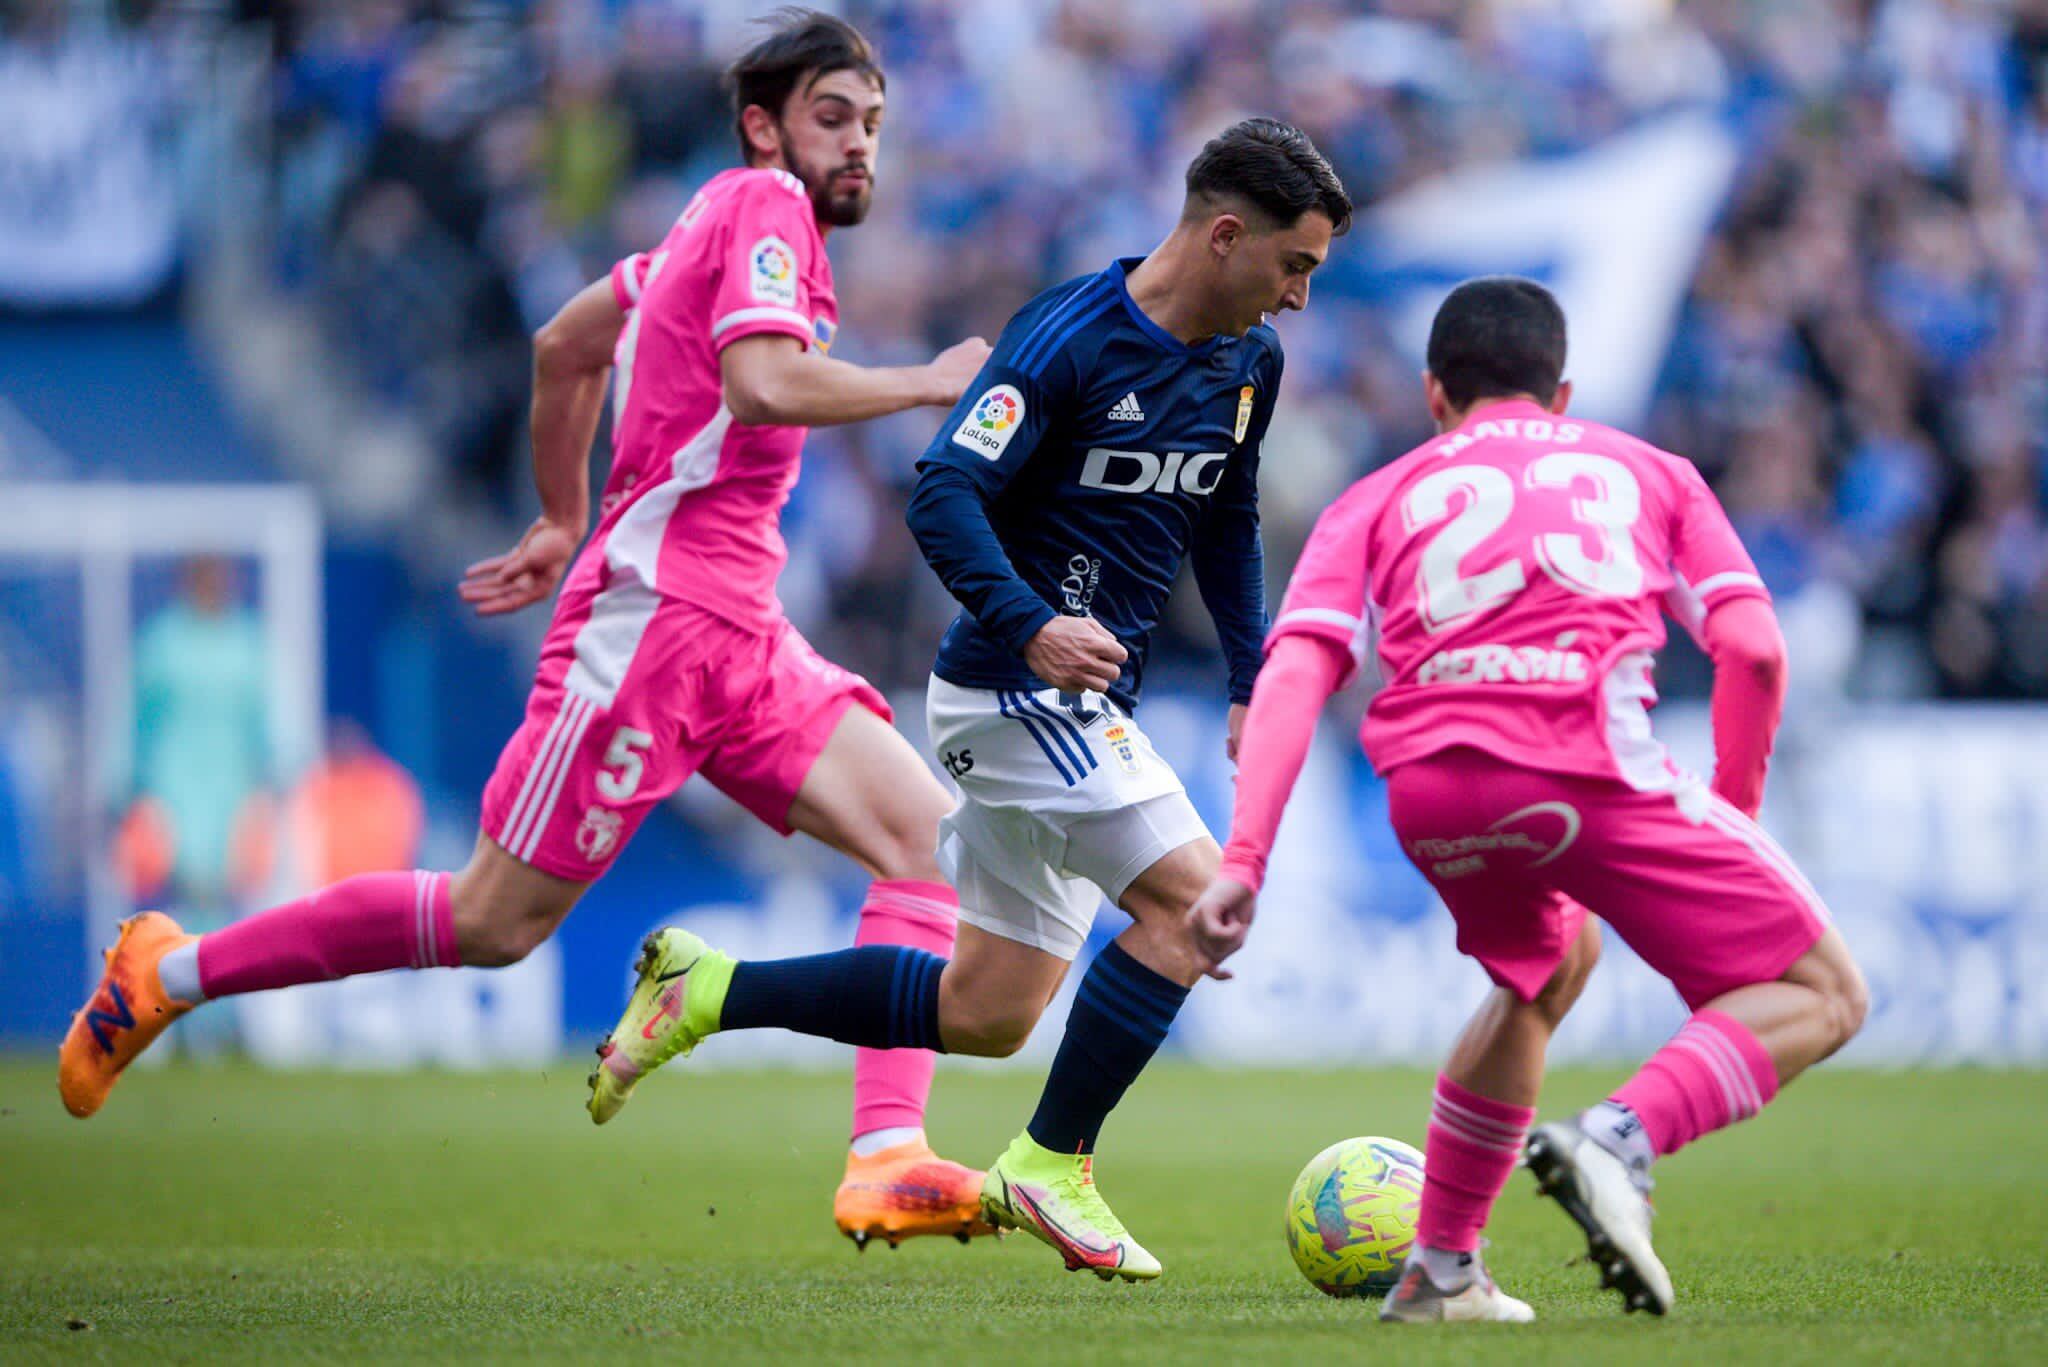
<point x="364" y="924"/>
<point x="891" y="1086"/>
<point x="1712" y="1073"/>
<point x="1473" y="1146"/>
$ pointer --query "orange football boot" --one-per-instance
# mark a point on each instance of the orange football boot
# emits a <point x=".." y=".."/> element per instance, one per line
<point x="124" y="1015"/>
<point x="904" y="1191"/>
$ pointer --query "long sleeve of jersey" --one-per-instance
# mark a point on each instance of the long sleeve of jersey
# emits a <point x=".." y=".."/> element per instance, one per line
<point x="989" y="436"/>
<point x="1743" y="640"/>
<point x="1229" y="558"/>
<point x="949" y="517"/>
<point x="1299" y="678"/>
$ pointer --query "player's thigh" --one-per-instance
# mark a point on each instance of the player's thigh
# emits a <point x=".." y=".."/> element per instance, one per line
<point x="1159" y="897"/>
<point x="994" y="991"/>
<point x="869" y="795"/>
<point x="1695" y="887"/>
<point x="1153" y="858"/>
<point x="812" y="750"/>
<point x="1487" y="835"/>
<point x="1002" y="861"/>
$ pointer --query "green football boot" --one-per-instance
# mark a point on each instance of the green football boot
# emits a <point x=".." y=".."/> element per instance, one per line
<point x="1052" y="1197"/>
<point x="674" y="1006"/>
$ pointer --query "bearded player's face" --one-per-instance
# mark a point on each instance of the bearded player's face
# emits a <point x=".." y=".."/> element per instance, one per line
<point x="831" y="129"/>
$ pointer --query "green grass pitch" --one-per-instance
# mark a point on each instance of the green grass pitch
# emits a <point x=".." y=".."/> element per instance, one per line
<point x="228" y="1213"/>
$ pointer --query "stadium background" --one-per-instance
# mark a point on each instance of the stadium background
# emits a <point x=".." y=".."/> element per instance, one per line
<point x="267" y="272"/>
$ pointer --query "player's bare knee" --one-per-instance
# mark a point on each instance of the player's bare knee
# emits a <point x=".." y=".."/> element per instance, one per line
<point x="997" y="1034"/>
<point x="909" y="854"/>
<point x="1849" y="1003"/>
<point x="983" y="1025"/>
<point x="503" y="939"/>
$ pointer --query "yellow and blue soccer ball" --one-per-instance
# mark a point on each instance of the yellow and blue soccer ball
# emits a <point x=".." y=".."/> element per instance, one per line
<point x="1351" y="1215"/>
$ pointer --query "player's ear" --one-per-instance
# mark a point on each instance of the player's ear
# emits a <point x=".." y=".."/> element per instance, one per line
<point x="764" y="139"/>
<point x="1439" y="401"/>
<point x="1225" y="232"/>
<point x="1562" y="399"/>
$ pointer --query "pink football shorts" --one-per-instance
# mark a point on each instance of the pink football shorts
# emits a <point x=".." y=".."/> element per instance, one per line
<point x="636" y="692"/>
<point x="1519" y="855"/>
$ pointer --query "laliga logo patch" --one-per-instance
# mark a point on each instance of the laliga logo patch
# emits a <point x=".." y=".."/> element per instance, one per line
<point x="598" y="833"/>
<point x="992" y="421"/>
<point x="1244" y="412"/>
<point x="773" y="272"/>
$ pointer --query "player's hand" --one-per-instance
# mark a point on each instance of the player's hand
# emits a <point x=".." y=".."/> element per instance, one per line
<point x="1235" y="726"/>
<point x="1218" y="923"/>
<point x="1075" y="655"/>
<point x="525" y="574"/>
<point x="953" y="369"/>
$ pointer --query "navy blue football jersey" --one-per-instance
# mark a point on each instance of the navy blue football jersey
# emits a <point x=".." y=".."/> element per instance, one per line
<point x="1092" y="455"/>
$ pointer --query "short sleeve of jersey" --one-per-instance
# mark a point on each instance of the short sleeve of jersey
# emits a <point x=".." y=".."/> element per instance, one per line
<point x="629" y="279"/>
<point x="1004" y="414"/>
<point x="1708" y="559"/>
<point x="1327" y="597"/>
<point x="767" y="261"/>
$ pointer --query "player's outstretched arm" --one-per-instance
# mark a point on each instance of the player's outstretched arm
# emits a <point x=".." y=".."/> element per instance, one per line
<point x="1300" y="675"/>
<point x="1748" y="651"/>
<point x="773" y="380"/>
<point x="572" y="360"/>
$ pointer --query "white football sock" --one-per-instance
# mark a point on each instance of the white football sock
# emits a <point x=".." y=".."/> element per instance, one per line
<point x="178" y="971"/>
<point x="874" y="1141"/>
<point x="1450" y="1271"/>
<point x="1619" y="1130"/>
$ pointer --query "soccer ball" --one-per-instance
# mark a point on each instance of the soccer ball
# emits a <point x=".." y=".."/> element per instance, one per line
<point x="1351" y="1215"/>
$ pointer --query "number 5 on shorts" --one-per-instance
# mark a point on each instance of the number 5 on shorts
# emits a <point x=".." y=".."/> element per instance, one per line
<point x="624" y="756"/>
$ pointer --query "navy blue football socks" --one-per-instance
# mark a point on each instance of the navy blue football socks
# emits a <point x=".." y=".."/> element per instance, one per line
<point x="876" y="996"/>
<point x="1120" y="1017"/>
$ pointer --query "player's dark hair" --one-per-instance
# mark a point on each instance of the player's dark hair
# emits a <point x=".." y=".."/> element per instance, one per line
<point x="1495" y="336"/>
<point x="1275" y="168"/>
<point x="803" y="46"/>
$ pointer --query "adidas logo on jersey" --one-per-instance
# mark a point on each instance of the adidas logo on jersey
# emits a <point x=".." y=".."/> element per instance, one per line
<point x="1127" y="409"/>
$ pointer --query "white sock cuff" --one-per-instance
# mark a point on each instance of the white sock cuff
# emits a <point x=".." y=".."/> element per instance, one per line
<point x="874" y="1141"/>
<point x="178" y="971"/>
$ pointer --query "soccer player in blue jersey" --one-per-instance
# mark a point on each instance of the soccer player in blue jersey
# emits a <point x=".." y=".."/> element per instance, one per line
<point x="1113" y="434"/>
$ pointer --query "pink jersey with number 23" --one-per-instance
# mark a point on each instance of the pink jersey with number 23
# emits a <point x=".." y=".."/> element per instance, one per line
<point x="1514" y="573"/>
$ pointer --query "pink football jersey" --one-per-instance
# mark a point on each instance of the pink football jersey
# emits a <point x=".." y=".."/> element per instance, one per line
<point x="694" y="502"/>
<point x="1512" y="572"/>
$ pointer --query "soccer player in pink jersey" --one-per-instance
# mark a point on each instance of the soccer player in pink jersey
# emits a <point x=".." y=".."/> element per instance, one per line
<point x="1511" y="573"/>
<point x="669" y="654"/>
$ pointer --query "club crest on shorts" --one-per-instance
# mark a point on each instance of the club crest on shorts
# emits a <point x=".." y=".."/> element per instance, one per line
<point x="1244" y="412"/>
<point x="1118" y="738"/>
<point x="599" y="833"/>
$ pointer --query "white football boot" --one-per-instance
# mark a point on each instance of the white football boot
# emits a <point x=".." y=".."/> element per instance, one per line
<point x="1597" y="1190"/>
<point x="1416" y="1299"/>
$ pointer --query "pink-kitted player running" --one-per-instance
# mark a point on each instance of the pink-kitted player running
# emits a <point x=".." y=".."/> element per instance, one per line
<point x="1512" y="573"/>
<point x="669" y="653"/>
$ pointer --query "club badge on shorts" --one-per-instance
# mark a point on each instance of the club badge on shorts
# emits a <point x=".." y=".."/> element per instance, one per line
<point x="1244" y="412"/>
<point x="1119" y="738"/>
<point x="598" y="833"/>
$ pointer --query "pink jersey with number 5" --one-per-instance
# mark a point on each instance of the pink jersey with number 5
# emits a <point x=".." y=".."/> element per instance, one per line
<point x="1514" y="573"/>
<point x="693" y="507"/>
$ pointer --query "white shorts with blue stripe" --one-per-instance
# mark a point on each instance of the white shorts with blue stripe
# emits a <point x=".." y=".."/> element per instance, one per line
<point x="1059" y="805"/>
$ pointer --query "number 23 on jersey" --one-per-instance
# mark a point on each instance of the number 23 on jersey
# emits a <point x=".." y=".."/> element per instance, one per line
<point x="1460" y="507"/>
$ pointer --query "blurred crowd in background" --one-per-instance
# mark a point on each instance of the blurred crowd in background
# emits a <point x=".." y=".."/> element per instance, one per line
<point x="1861" y="364"/>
